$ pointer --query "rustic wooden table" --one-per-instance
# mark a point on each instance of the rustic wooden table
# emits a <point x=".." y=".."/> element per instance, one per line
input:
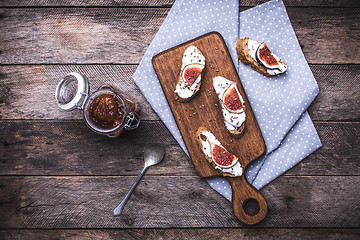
<point x="60" y="180"/>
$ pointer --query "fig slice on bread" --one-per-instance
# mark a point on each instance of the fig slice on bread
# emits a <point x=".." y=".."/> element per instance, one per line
<point x="232" y="105"/>
<point x="193" y="64"/>
<point x="191" y="72"/>
<point x="260" y="58"/>
<point x="222" y="157"/>
<point x="217" y="155"/>
<point x="232" y="99"/>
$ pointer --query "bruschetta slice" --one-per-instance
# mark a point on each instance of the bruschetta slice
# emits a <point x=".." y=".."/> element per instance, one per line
<point x="216" y="154"/>
<point x="259" y="57"/>
<point x="232" y="105"/>
<point x="189" y="81"/>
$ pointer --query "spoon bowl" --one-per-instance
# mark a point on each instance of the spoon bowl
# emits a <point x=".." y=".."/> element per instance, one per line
<point x="152" y="156"/>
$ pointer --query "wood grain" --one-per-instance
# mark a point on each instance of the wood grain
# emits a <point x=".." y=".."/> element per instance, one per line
<point x="44" y="35"/>
<point x="339" y="93"/>
<point x="96" y="35"/>
<point x="46" y="147"/>
<point x="316" y="199"/>
<point x="333" y="158"/>
<point x="84" y="3"/>
<point x="205" y="107"/>
<point x="25" y="90"/>
<point x="70" y="148"/>
<point x="174" y="234"/>
<point x="167" y="3"/>
<point x="171" y="201"/>
<point x="310" y="22"/>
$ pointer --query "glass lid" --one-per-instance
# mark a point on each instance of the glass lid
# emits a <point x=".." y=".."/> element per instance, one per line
<point x="72" y="91"/>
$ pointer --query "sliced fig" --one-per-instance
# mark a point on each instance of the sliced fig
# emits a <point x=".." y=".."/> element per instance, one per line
<point x="266" y="57"/>
<point x="222" y="157"/>
<point x="191" y="72"/>
<point x="232" y="99"/>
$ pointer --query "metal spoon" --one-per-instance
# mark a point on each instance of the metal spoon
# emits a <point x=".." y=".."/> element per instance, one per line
<point x="152" y="156"/>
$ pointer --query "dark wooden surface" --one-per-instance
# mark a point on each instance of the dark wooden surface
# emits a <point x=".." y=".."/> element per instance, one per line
<point x="59" y="180"/>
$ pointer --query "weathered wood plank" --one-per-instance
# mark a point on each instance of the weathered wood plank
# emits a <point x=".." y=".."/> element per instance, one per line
<point x="70" y="148"/>
<point x="168" y="201"/>
<point x="96" y="3"/>
<point x="338" y="153"/>
<point x="339" y="93"/>
<point x="27" y="92"/>
<point x="322" y="35"/>
<point x="111" y="35"/>
<point x="172" y="234"/>
<point x="78" y="35"/>
<point x="152" y="3"/>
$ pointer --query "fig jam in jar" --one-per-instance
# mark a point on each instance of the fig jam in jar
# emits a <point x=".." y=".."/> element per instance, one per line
<point x="108" y="111"/>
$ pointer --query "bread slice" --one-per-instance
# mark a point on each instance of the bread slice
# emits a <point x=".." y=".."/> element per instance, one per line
<point x="234" y="171"/>
<point x="199" y="141"/>
<point x="234" y="120"/>
<point x="242" y="50"/>
<point x="238" y="132"/>
<point x="191" y="74"/>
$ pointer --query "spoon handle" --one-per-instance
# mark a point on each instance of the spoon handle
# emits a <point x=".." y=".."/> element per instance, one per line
<point x="120" y="207"/>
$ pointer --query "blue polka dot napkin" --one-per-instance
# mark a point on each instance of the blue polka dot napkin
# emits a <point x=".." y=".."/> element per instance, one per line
<point x="185" y="21"/>
<point x="279" y="103"/>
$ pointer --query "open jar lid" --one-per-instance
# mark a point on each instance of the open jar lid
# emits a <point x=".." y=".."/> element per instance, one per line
<point x="72" y="91"/>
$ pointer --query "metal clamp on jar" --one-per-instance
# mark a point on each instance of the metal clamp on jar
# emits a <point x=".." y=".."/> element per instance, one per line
<point x="108" y="111"/>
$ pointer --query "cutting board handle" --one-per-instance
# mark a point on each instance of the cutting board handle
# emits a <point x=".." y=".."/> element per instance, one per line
<point x="249" y="205"/>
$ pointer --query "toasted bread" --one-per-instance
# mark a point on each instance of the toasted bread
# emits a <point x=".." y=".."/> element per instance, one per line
<point x="199" y="141"/>
<point x="243" y="54"/>
<point x="237" y="133"/>
<point x="234" y="118"/>
<point x="200" y="145"/>
<point x="190" y="77"/>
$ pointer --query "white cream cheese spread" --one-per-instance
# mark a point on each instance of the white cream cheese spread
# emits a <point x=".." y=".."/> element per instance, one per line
<point x="233" y="120"/>
<point x="252" y="47"/>
<point x="192" y="55"/>
<point x="209" y="139"/>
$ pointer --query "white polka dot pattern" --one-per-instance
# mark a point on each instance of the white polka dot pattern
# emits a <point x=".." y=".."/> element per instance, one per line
<point x="301" y="140"/>
<point x="278" y="102"/>
<point x="184" y="22"/>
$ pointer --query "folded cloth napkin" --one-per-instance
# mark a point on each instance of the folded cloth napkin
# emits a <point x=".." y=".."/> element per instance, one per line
<point x="279" y="102"/>
<point x="185" y="21"/>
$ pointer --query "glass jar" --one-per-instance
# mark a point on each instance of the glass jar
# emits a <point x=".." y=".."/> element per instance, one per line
<point x="108" y="111"/>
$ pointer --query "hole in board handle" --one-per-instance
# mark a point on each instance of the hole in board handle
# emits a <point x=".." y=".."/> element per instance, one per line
<point x="251" y="206"/>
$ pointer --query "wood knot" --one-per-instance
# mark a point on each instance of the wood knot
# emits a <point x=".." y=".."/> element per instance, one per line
<point x="130" y="221"/>
<point x="194" y="194"/>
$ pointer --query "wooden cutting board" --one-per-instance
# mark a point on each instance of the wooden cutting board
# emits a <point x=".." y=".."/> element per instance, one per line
<point x="204" y="110"/>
